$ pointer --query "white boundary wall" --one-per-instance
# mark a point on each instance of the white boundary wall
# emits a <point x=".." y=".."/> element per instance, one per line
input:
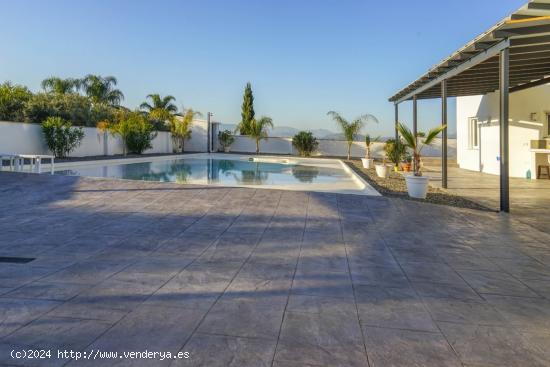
<point x="523" y="129"/>
<point x="333" y="148"/>
<point x="26" y="138"/>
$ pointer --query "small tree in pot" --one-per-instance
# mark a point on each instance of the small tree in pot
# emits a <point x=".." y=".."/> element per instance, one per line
<point x="395" y="151"/>
<point x="226" y="139"/>
<point x="368" y="161"/>
<point x="417" y="185"/>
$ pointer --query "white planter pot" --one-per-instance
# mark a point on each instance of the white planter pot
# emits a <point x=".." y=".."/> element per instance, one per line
<point x="368" y="163"/>
<point x="417" y="186"/>
<point x="383" y="170"/>
<point x="226" y="149"/>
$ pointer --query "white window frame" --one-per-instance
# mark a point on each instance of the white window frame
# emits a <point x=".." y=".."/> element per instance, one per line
<point x="473" y="133"/>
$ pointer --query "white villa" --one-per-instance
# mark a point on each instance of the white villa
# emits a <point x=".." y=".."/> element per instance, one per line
<point x="477" y="120"/>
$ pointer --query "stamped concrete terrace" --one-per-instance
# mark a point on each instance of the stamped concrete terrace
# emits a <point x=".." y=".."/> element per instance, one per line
<point x="243" y="277"/>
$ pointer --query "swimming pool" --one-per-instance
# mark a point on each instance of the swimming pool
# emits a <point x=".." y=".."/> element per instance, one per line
<point x="324" y="175"/>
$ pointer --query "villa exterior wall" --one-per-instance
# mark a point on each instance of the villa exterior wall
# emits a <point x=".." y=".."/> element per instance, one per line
<point x="528" y="122"/>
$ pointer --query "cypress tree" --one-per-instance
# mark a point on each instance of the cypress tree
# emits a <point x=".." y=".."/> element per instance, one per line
<point x="247" y="110"/>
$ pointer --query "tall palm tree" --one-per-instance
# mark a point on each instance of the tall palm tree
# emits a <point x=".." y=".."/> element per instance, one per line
<point x="415" y="145"/>
<point x="102" y="89"/>
<point x="258" y="130"/>
<point x="160" y="109"/>
<point x="61" y="86"/>
<point x="351" y="129"/>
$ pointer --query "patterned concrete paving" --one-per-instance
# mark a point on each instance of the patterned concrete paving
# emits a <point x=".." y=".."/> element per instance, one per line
<point x="240" y="277"/>
<point x="529" y="199"/>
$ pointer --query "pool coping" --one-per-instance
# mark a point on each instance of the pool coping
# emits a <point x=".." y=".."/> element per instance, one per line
<point x="364" y="187"/>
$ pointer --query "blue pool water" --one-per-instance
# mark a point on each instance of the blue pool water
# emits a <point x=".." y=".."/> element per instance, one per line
<point x="217" y="171"/>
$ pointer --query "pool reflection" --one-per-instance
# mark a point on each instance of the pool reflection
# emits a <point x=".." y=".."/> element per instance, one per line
<point x="214" y="171"/>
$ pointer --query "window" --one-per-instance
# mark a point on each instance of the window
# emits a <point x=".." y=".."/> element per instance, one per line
<point x="473" y="133"/>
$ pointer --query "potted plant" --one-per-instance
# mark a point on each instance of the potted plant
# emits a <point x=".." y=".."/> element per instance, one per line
<point x="383" y="170"/>
<point x="406" y="165"/>
<point x="226" y="139"/>
<point x="417" y="185"/>
<point x="368" y="161"/>
<point x="395" y="150"/>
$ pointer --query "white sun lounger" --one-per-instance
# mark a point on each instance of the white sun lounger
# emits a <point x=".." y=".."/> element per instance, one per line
<point x="17" y="161"/>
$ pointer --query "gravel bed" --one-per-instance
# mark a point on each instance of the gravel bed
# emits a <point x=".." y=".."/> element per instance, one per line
<point x="395" y="186"/>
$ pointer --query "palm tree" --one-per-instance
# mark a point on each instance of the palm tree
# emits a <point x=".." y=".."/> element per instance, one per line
<point x="258" y="130"/>
<point x="351" y="129"/>
<point x="415" y="145"/>
<point x="368" y="143"/>
<point x="161" y="108"/>
<point x="180" y="127"/>
<point x="61" y="86"/>
<point x="101" y="89"/>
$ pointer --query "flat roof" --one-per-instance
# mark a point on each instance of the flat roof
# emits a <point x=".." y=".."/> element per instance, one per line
<point x="474" y="68"/>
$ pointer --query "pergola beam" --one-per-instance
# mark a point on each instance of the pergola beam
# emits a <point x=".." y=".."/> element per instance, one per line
<point x="493" y="81"/>
<point x="529" y="49"/>
<point x="536" y="40"/>
<point x="515" y="70"/>
<point x="519" y="61"/>
<point x="522" y="31"/>
<point x="482" y="46"/>
<point x="531" y="84"/>
<point x="522" y="16"/>
<point x="473" y="79"/>
<point x="486" y="54"/>
<point x="538" y="6"/>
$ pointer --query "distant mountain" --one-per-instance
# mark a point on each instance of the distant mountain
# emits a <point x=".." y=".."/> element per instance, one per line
<point x="286" y="131"/>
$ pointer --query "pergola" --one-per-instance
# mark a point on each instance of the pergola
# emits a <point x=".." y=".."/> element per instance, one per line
<point x="511" y="56"/>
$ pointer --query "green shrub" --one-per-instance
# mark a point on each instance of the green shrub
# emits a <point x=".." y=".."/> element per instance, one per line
<point x="226" y="139"/>
<point x="305" y="143"/>
<point x="135" y="131"/>
<point x="12" y="101"/>
<point x="61" y="137"/>
<point x="395" y="152"/>
<point x="72" y="107"/>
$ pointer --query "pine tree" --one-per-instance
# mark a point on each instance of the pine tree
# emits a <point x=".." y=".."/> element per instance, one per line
<point x="247" y="110"/>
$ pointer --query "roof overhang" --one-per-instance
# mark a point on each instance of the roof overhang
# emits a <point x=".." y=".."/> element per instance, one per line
<point x="474" y="68"/>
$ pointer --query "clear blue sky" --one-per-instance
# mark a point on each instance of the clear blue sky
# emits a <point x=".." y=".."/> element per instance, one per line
<point x="303" y="57"/>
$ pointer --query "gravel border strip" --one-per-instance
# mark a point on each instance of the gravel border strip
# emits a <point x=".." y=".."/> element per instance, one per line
<point x="395" y="186"/>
